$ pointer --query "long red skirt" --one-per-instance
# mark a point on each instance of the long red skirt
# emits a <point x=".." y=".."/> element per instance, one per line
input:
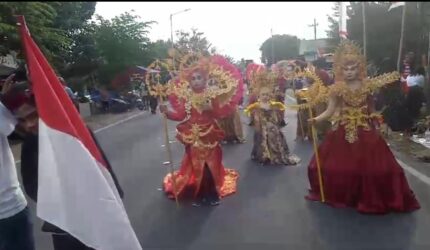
<point x="364" y="175"/>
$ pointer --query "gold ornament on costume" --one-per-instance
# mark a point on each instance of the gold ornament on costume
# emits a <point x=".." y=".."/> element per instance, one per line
<point x="221" y="84"/>
<point x="355" y="114"/>
<point x="256" y="105"/>
<point x="153" y="80"/>
<point x="263" y="79"/>
<point x="196" y="133"/>
<point x="315" y="94"/>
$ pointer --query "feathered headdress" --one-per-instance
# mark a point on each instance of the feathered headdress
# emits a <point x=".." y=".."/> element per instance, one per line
<point x="348" y="53"/>
<point x="263" y="79"/>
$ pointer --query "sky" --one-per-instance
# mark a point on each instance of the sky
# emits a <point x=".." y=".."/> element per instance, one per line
<point x="236" y="29"/>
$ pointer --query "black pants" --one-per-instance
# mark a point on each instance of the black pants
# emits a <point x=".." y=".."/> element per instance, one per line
<point x="67" y="242"/>
<point x="207" y="192"/>
<point x="414" y="101"/>
<point x="153" y="103"/>
<point x="16" y="232"/>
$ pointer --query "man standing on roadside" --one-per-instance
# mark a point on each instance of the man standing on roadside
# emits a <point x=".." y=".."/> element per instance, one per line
<point x="70" y="93"/>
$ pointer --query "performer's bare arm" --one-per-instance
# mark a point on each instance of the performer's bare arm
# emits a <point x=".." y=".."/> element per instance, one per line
<point x="328" y="112"/>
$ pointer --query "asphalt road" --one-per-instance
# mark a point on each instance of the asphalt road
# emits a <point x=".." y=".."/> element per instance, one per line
<point x="268" y="212"/>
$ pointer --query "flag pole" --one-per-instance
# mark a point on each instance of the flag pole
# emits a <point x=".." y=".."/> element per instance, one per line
<point x="363" y="4"/>
<point x="402" y="31"/>
<point x="169" y="154"/>
<point x="160" y="91"/>
<point x="317" y="157"/>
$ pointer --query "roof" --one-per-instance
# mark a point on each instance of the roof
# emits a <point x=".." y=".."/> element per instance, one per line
<point x="319" y="45"/>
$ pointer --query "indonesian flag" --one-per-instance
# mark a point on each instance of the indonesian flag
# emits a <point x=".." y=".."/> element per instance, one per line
<point x="76" y="192"/>
<point x="395" y="5"/>
<point x="343" y="33"/>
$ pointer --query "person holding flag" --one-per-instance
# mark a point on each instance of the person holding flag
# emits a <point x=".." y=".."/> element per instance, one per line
<point x="16" y="227"/>
<point x="76" y="195"/>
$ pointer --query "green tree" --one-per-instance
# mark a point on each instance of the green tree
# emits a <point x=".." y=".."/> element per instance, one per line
<point x="121" y="42"/>
<point x="333" y="31"/>
<point x="40" y="17"/>
<point x="281" y="47"/>
<point x="193" y="41"/>
<point x="383" y="31"/>
<point x="53" y="26"/>
<point x="159" y="49"/>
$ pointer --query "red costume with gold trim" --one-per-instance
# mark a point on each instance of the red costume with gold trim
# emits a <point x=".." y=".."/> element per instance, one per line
<point x="198" y="129"/>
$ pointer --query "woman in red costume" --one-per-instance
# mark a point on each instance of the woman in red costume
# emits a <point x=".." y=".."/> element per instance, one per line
<point x="207" y="90"/>
<point x="358" y="168"/>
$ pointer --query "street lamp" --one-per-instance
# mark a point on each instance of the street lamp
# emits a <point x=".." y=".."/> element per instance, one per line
<point x="171" y="32"/>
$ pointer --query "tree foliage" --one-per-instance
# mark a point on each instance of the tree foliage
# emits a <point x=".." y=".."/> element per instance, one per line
<point x="121" y="42"/>
<point x="52" y="25"/>
<point x="284" y="47"/>
<point x="383" y="31"/>
<point x="159" y="49"/>
<point x="40" y="17"/>
<point x="193" y="41"/>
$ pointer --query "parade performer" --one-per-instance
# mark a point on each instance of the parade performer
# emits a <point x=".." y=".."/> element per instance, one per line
<point x="251" y="69"/>
<point x="357" y="167"/>
<point x="232" y="127"/>
<point x="206" y="89"/>
<point x="270" y="146"/>
<point x="287" y="70"/>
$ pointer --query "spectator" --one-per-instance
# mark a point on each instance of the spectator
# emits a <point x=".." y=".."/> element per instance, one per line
<point x="415" y="97"/>
<point x="321" y="72"/>
<point x="28" y="121"/>
<point x="69" y="91"/>
<point x="16" y="229"/>
<point x="406" y="69"/>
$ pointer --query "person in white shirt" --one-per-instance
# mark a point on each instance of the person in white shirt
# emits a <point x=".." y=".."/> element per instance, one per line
<point x="416" y="78"/>
<point x="415" y="97"/>
<point x="16" y="228"/>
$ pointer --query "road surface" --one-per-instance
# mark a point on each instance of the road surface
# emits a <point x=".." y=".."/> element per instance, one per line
<point x="268" y="212"/>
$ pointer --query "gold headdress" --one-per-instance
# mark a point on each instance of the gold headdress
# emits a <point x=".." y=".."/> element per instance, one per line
<point x="221" y="77"/>
<point x="263" y="79"/>
<point x="349" y="52"/>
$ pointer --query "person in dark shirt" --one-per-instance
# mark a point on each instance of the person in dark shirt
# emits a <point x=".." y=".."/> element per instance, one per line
<point x="28" y="126"/>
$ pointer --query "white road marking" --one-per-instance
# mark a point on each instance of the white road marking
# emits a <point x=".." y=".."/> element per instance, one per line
<point x="118" y="122"/>
<point x="108" y="126"/>
<point x="420" y="176"/>
<point x="291" y="98"/>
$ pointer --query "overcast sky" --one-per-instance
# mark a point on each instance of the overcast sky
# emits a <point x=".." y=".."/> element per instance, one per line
<point x="235" y="28"/>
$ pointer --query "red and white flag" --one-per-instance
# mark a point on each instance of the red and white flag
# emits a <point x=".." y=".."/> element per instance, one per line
<point x="76" y="192"/>
<point x="343" y="33"/>
<point x="395" y="5"/>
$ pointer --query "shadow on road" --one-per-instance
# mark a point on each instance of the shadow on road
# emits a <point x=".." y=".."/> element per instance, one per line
<point x="172" y="227"/>
<point x="340" y="229"/>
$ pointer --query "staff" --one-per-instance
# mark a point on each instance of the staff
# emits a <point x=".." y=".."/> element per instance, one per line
<point x="161" y="91"/>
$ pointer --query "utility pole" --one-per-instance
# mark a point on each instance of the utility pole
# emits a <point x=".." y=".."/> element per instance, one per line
<point x="273" y="46"/>
<point x="315" y="24"/>
<point x="363" y="6"/>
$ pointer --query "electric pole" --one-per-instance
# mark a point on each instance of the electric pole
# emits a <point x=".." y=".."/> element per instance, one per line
<point x="315" y="24"/>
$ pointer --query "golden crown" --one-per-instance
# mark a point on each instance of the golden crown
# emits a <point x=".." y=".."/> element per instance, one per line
<point x="348" y="52"/>
<point x="263" y="79"/>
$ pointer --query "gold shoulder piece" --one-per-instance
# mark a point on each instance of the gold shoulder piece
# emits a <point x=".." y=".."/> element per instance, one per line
<point x="251" y="107"/>
<point x="377" y="82"/>
<point x="278" y="105"/>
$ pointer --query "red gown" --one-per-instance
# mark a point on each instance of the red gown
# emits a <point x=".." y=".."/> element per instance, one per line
<point x="201" y="136"/>
<point x="361" y="173"/>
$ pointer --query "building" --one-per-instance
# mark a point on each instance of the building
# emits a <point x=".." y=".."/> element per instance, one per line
<point x="313" y="49"/>
<point x="8" y="63"/>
